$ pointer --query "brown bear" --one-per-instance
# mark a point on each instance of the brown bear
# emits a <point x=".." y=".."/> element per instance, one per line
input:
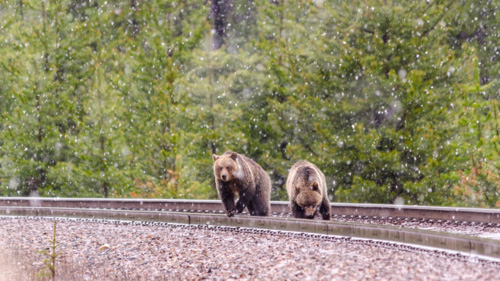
<point x="306" y="187"/>
<point x="236" y="174"/>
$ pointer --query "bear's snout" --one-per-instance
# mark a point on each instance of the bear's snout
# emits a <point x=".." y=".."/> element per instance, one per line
<point x="310" y="212"/>
<point x="224" y="177"/>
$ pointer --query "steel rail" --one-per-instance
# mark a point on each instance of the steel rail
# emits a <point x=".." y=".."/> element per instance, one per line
<point x="277" y="207"/>
<point x="455" y="242"/>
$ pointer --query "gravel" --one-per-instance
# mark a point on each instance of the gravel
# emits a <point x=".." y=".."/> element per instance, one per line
<point x="484" y="230"/>
<point x="107" y="251"/>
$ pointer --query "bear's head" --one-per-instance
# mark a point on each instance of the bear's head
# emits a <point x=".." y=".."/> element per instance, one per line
<point x="225" y="166"/>
<point x="308" y="197"/>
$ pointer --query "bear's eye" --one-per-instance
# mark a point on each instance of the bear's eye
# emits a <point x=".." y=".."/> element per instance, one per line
<point x="220" y="169"/>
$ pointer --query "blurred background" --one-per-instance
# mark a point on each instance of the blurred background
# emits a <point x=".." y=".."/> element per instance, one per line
<point x="395" y="101"/>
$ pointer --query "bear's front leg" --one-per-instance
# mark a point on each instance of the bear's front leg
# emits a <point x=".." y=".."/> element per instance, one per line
<point x="324" y="209"/>
<point x="227" y="198"/>
<point x="298" y="212"/>
<point x="245" y="198"/>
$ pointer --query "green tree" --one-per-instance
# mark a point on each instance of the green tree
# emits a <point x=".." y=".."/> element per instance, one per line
<point x="157" y="107"/>
<point x="38" y="112"/>
<point x="397" y="102"/>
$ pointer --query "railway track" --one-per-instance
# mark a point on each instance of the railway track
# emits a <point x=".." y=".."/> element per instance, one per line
<point x="210" y="213"/>
<point x="278" y="208"/>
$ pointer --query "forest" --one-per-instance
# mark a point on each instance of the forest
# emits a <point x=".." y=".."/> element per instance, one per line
<point x="395" y="101"/>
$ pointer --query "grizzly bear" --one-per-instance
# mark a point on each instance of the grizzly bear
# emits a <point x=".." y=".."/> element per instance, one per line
<point x="236" y="174"/>
<point x="306" y="187"/>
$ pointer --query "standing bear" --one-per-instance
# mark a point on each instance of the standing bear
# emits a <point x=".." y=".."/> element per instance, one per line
<point x="236" y="174"/>
<point x="306" y="187"/>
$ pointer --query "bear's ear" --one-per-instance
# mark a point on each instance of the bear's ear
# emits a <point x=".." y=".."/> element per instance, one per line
<point x="315" y="186"/>
<point x="234" y="155"/>
<point x="215" y="157"/>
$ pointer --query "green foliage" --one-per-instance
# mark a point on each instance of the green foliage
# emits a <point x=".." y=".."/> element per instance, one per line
<point x="395" y="101"/>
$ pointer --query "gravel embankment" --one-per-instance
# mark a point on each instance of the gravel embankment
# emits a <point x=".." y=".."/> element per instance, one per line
<point x="483" y="230"/>
<point x="104" y="251"/>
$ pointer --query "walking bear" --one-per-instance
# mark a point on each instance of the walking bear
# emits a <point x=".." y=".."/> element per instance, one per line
<point x="306" y="187"/>
<point x="236" y="174"/>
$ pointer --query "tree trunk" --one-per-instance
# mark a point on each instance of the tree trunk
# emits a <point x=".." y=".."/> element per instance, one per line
<point x="219" y="11"/>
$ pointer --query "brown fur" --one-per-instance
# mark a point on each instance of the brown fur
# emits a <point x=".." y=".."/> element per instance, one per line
<point x="236" y="174"/>
<point x="306" y="187"/>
